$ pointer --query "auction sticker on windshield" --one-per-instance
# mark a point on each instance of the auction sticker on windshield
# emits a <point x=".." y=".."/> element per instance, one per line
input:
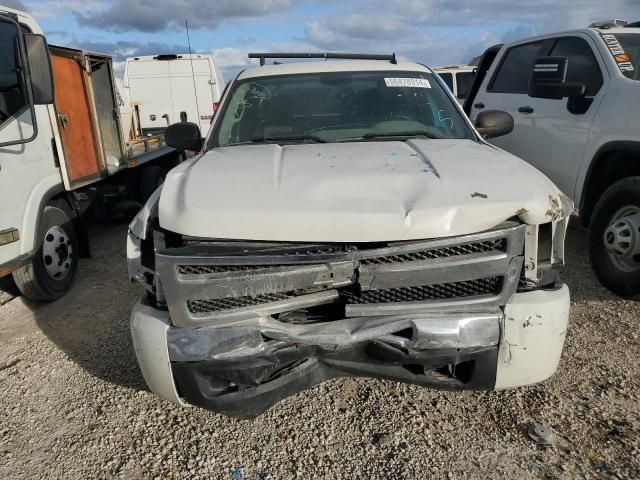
<point x="407" y="82"/>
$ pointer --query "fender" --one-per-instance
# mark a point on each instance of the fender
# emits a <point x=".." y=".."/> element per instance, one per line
<point x="587" y="200"/>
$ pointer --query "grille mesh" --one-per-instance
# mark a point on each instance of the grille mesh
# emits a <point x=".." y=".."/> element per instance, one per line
<point x="204" y="269"/>
<point x="217" y="304"/>
<point x="469" y="288"/>
<point x="443" y="252"/>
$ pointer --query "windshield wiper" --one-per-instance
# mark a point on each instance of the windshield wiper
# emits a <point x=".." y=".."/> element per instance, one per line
<point x="408" y="133"/>
<point x="290" y="138"/>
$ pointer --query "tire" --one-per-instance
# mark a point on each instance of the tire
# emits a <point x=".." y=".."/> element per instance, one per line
<point x="52" y="269"/>
<point x="608" y="237"/>
<point x="152" y="177"/>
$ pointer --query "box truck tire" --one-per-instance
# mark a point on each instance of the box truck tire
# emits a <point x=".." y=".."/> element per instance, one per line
<point x="52" y="268"/>
<point x="614" y="238"/>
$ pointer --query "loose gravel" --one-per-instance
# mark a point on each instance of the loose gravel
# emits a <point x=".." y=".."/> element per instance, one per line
<point x="74" y="405"/>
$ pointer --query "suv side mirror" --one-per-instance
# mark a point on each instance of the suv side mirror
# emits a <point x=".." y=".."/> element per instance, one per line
<point x="548" y="80"/>
<point x="184" y="136"/>
<point x="494" y="123"/>
<point x="39" y="68"/>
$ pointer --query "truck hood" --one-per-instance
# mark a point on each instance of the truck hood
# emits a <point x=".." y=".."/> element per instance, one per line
<point x="354" y="192"/>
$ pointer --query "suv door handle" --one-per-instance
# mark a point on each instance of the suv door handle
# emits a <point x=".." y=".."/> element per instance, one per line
<point x="478" y="105"/>
<point x="525" y="110"/>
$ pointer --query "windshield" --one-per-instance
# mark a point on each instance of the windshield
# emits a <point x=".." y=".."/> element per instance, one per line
<point x="625" y="48"/>
<point x="339" y="106"/>
<point x="12" y="98"/>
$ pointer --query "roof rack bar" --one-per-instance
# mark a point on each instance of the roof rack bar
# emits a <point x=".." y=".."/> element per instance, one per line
<point x="347" y="56"/>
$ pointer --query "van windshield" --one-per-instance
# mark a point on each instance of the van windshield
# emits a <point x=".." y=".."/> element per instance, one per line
<point x="339" y="106"/>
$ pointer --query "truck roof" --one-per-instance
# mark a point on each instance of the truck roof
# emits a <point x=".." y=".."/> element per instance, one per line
<point x="455" y="68"/>
<point x="331" y="66"/>
<point x="588" y="31"/>
<point x="172" y="56"/>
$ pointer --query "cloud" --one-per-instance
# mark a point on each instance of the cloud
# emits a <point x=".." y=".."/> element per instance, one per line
<point x="52" y="8"/>
<point x="487" y="12"/>
<point x="442" y="31"/>
<point x="159" y="15"/>
<point x="122" y="50"/>
<point x="15" y="4"/>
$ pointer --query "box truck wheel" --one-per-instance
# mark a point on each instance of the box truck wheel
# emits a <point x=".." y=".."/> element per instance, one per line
<point x="614" y="238"/>
<point x="150" y="179"/>
<point x="51" y="270"/>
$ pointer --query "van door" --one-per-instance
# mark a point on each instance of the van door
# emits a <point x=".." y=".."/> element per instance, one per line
<point x="82" y="165"/>
<point x="549" y="134"/>
<point x="192" y="91"/>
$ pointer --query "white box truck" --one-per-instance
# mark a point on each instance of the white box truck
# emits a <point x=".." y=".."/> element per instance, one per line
<point x="60" y="135"/>
<point x="165" y="89"/>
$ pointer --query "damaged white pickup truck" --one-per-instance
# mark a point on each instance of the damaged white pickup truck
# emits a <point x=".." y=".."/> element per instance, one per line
<point x="344" y="218"/>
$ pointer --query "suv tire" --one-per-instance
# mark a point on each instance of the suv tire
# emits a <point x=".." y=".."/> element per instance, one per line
<point x="614" y="236"/>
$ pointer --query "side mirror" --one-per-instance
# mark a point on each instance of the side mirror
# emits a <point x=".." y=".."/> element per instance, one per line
<point x="184" y="136"/>
<point x="548" y="80"/>
<point x="494" y="123"/>
<point x="39" y="68"/>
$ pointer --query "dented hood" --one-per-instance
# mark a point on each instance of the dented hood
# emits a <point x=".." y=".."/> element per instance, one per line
<point x="353" y="192"/>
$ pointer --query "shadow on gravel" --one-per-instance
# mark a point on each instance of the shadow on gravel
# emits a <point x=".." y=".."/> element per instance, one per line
<point x="578" y="273"/>
<point x="91" y="323"/>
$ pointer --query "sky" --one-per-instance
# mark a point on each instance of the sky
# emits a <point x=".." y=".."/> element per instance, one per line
<point x="434" y="32"/>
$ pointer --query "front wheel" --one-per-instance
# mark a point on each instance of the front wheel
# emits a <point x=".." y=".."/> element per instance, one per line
<point x="614" y="238"/>
<point x="50" y="272"/>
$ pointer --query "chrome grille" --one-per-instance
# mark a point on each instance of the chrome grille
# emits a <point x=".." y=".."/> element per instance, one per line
<point x="476" y="247"/>
<point x="220" y="304"/>
<point x="444" y="291"/>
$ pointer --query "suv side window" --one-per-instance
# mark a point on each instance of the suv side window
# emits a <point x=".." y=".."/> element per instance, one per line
<point x="12" y="96"/>
<point x="513" y="73"/>
<point x="582" y="67"/>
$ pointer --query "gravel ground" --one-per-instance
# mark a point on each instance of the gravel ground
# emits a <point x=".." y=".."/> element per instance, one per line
<point x="73" y="403"/>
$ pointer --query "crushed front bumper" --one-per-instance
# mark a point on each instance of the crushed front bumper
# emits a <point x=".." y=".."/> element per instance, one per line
<point x="244" y="368"/>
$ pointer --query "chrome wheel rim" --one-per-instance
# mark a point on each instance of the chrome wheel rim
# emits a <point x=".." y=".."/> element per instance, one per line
<point x="57" y="253"/>
<point x="622" y="239"/>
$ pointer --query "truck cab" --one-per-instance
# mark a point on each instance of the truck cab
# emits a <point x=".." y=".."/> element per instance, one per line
<point x="571" y="95"/>
<point x="60" y="135"/>
<point x="28" y="168"/>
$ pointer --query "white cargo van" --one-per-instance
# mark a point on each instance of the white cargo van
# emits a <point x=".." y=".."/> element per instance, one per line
<point x="166" y="89"/>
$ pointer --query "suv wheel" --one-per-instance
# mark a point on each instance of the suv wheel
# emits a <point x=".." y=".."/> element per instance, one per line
<point x="614" y="238"/>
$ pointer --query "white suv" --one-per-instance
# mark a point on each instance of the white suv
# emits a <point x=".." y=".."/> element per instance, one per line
<point x="344" y="218"/>
<point x="574" y="97"/>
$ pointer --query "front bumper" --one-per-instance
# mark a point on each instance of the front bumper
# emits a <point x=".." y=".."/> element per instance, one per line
<point x="245" y="368"/>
